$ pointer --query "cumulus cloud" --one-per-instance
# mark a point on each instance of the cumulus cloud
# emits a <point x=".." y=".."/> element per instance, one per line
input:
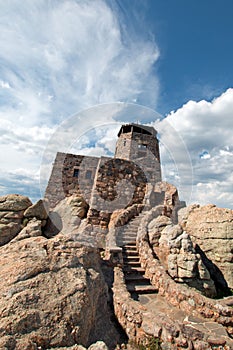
<point x="206" y="130"/>
<point x="60" y="57"/>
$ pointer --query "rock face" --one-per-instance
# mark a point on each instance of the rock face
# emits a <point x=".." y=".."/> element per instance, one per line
<point x="52" y="290"/>
<point x="12" y="209"/>
<point x="211" y="229"/>
<point x="14" y="202"/>
<point x="52" y="295"/>
<point x="20" y="219"/>
<point x="38" y="210"/>
<point x="174" y="249"/>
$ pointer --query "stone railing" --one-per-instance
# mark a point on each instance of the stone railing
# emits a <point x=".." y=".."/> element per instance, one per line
<point x="139" y="324"/>
<point x="179" y="295"/>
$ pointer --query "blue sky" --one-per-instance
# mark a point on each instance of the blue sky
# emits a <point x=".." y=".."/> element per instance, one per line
<point x="58" y="58"/>
<point x="196" y="47"/>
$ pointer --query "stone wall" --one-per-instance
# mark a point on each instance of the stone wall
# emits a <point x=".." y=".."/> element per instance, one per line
<point x="71" y="174"/>
<point x="127" y="146"/>
<point x="118" y="185"/>
<point x="143" y="150"/>
<point x="172" y="328"/>
<point x="180" y="295"/>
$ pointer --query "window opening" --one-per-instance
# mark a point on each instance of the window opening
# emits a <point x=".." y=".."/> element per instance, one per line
<point x="88" y="174"/>
<point x="142" y="146"/>
<point x="76" y="172"/>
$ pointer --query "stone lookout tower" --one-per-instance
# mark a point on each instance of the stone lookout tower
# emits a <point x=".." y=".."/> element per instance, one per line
<point x="99" y="180"/>
<point x="139" y="143"/>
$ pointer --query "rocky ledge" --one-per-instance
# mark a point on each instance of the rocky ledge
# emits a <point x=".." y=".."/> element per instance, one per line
<point x="55" y="288"/>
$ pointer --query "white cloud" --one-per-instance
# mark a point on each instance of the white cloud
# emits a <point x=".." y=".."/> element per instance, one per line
<point x="4" y="84"/>
<point x="206" y="130"/>
<point x="58" y="58"/>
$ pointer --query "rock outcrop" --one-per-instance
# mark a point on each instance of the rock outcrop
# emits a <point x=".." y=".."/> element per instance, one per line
<point x="20" y="219"/>
<point x="12" y="209"/>
<point x="211" y="229"/>
<point x="52" y="295"/>
<point x="66" y="216"/>
<point x="174" y="248"/>
<point x="53" y="290"/>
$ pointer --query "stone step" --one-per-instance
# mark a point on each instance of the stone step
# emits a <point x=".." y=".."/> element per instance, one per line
<point x="127" y="241"/>
<point x="129" y="233"/>
<point x="123" y="243"/>
<point x="133" y="226"/>
<point x="130" y="228"/>
<point x="132" y="255"/>
<point x="130" y="258"/>
<point x="130" y="248"/>
<point x="136" y="277"/>
<point x="133" y="270"/>
<point x="134" y="222"/>
<point x="126" y="234"/>
<point x="139" y="282"/>
<point x="131" y="239"/>
<point x="132" y="263"/>
<point x="142" y="289"/>
<point x="130" y="252"/>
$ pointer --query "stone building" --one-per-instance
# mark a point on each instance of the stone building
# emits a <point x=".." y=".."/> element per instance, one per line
<point x="105" y="183"/>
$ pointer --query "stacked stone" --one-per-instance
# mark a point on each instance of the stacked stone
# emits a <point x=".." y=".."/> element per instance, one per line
<point x="119" y="184"/>
<point x="20" y="219"/>
<point x="69" y="177"/>
<point x="148" y="158"/>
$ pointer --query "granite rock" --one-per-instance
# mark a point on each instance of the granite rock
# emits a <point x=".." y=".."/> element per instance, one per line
<point x="52" y="295"/>
<point x="211" y="230"/>
<point x="12" y="208"/>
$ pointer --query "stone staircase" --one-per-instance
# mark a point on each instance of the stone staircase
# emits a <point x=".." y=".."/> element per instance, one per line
<point x="137" y="284"/>
<point x="128" y="233"/>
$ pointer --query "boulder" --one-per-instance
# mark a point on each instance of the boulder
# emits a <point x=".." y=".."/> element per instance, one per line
<point x="12" y="207"/>
<point x="78" y="206"/>
<point x="99" y="345"/>
<point x="53" y="295"/>
<point x="32" y="229"/>
<point x="155" y="228"/>
<point x="166" y="194"/>
<point x="38" y="210"/>
<point x="175" y="251"/>
<point x="14" y="202"/>
<point x="211" y="229"/>
<point x="66" y="216"/>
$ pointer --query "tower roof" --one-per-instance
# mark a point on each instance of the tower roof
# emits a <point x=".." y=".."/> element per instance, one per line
<point x="142" y="129"/>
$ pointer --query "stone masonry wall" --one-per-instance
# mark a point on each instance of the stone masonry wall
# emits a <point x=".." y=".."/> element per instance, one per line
<point x="143" y="150"/>
<point x="119" y="184"/>
<point x="69" y="176"/>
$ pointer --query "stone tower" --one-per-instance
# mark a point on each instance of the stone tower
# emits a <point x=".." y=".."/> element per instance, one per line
<point x="95" y="179"/>
<point x="139" y="144"/>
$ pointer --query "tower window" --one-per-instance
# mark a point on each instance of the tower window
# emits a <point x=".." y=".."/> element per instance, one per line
<point x="88" y="174"/>
<point x="142" y="146"/>
<point x="124" y="143"/>
<point x="76" y="172"/>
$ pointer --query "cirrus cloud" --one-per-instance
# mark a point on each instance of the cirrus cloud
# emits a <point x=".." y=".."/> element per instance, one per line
<point x="57" y="58"/>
